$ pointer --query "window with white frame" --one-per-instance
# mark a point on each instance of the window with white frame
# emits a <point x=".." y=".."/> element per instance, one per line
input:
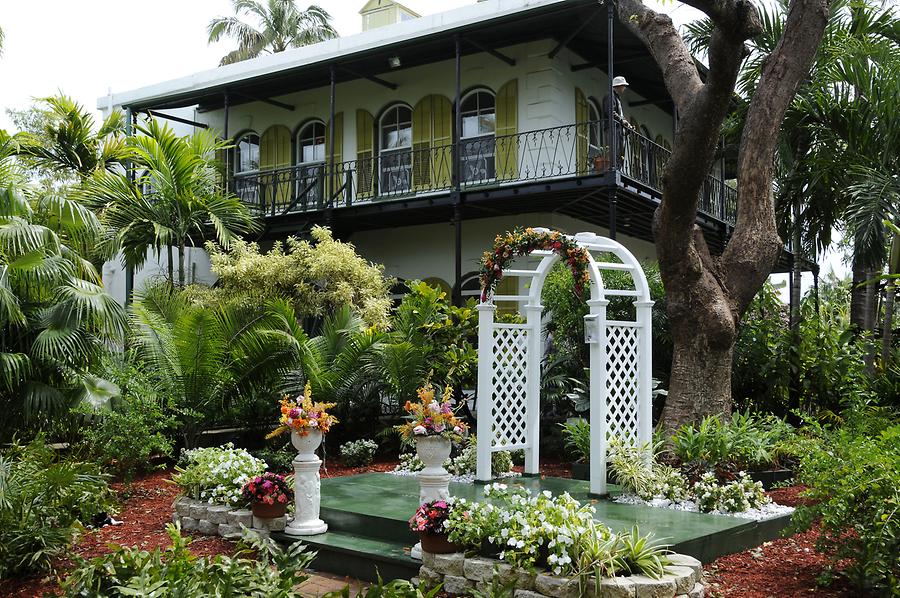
<point x="310" y="148"/>
<point x="395" y="150"/>
<point x="477" y="142"/>
<point x="246" y="162"/>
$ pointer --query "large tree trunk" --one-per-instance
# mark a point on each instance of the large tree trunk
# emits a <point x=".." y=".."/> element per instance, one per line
<point x="705" y="296"/>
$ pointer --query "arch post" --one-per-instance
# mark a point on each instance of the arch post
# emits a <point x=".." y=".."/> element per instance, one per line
<point x="533" y="390"/>
<point x="599" y="395"/>
<point x="485" y="398"/>
<point x="644" y="318"/>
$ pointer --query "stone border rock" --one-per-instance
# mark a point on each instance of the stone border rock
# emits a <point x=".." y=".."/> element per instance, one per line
<point x="462" y="575"/>
<point x="220" y="520"/>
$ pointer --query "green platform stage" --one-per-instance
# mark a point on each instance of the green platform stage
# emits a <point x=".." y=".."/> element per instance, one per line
<point x="367" y="516"/>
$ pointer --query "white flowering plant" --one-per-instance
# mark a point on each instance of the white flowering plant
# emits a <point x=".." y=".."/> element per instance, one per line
<point x="558" y="532"/>
<point x="217" y="474"/>
<point x="738" y="495"/>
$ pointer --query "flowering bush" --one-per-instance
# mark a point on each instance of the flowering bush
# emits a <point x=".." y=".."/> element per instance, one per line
<point x="269" y="489"/>
<point x="358" y="452"/>
<point x="431" y="518"/>
<point x="466" y="461"/>
<point x="554" y="531"/>
<point x="428" y="417"/>
<point x="217" y="474"/>
<point x="301" y="415"/>
<point x="522" y="242"/>
<point x="736" y="496"/>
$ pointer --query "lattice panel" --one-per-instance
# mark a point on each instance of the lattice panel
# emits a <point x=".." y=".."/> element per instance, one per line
<point x="622" y="370"/>
<point x="509" y="383"/>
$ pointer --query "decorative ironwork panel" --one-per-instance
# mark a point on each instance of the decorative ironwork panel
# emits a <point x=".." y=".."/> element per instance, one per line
<point x="509" y="384"/>
<point x="622" y="380"/>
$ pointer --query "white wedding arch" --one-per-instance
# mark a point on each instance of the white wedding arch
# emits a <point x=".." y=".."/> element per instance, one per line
<point x="509" y="364"/>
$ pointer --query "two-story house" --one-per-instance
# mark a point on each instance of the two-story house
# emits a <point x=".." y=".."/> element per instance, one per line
<point x="421" y="138"/>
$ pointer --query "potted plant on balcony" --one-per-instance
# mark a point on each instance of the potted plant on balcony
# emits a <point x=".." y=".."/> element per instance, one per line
<point x="430" y="523"/>
<point x="269" y="495"/>
<point x="601" y="160"/>
<point x="432" y="425"/>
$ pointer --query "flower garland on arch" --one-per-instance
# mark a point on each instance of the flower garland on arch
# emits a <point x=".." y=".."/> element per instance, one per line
<point x="520" y="242"/>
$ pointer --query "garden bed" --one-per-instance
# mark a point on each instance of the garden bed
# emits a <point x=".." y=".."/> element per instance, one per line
<point x="463" y="575"/>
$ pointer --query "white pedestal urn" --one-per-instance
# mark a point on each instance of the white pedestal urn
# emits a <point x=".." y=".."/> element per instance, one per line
<point x="307" y="486"/>
<point x="434" y="480"/>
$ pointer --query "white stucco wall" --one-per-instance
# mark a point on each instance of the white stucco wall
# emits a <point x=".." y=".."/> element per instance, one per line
<point x="196" y="270"/>
<point x="416" y="252"/>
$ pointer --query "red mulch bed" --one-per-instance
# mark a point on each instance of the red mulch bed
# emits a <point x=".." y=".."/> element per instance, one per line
<point x="784" y="568"/>
<point x="146" y="508"/>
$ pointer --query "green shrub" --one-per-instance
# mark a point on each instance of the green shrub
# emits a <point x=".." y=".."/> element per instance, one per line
<point x="577" y="434"/>
<point x="176" y="572"/>
<point x="358" y="453"/>
<point x="747" y="441"/>
<point x="217" y="474"/>
<point x="43" y="503"/>
<point x="124" y="441"/>
<point x="853" y="476"/>
<point x="279" y="457"/>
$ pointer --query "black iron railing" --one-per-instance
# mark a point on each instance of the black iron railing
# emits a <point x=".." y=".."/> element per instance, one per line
<point x="487" y="161"/>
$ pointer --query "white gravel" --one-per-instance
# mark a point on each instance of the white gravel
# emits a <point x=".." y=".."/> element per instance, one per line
<point x="767" y="511"/>
<point x="468" y="478"/>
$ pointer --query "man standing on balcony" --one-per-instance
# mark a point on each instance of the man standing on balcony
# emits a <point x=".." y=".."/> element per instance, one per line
<point x="619" y="86"/>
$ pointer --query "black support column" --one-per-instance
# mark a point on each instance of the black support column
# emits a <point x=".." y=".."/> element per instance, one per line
<point x="610" y="118"/>
<point x="331" y="180"/>
<point x="457" y="170"/>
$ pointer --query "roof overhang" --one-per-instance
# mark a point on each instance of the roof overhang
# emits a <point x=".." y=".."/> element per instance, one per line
<point x="492" y="24"/>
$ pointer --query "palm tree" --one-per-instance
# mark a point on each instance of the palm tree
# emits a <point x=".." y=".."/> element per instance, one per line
<point x="55" y="318"/>
<point x="176" y="200"/>
<point x="1" y="41"/>
<point x="279" y="25"/>
<point x="68" y="144"/>
<point x="207" y="357"/>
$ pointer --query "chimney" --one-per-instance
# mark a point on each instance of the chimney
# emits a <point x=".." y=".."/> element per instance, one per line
<point x="378" y="13"/>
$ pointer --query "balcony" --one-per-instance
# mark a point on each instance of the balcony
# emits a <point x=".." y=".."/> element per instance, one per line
<point x="568" y="152"/>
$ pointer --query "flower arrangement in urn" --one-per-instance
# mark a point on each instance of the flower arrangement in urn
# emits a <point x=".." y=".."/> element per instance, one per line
<point x="430" y="521"/>
<point x="302" y="415"/>
<point x="269" y="495"/>
<point x="430" y="416"/>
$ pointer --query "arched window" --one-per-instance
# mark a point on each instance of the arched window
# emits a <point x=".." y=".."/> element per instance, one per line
<point x="246" y="153"/>
<point x="310" y="144"/>
<point x="595" y="133"/>
<point x="479" y="124"/>
<point x="246" y="166"/>
<point x="395" y="150"/>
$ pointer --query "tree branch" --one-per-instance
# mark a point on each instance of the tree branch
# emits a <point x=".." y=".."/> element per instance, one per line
<point x="665" y="44"/>
<point x="755" y="244"/>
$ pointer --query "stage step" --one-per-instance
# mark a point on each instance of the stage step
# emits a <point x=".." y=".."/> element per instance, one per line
<point x="360" y="557"/>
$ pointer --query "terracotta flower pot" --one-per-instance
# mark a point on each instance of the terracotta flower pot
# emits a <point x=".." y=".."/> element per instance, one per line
<point x="273" y="511"/>
<point x="601" y="164"/>
<point x="437" y="543"/>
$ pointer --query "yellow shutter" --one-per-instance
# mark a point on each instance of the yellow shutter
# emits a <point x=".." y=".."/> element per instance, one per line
<point x="365" y="129"/>
<point x="333" y="184"/>
<point x="421" y="144"/>
<point x="581" y="132"/>
<point x="274" y="153"/>
<point x="432" y="138"/>
<point x="507" y="127"/>
<point x="442" y="140"/>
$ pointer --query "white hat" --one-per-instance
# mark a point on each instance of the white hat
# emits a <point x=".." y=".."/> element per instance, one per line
<point x="619" y="81"/>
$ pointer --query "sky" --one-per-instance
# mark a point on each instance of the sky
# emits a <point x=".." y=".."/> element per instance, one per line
<point x="85" y="48"/>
